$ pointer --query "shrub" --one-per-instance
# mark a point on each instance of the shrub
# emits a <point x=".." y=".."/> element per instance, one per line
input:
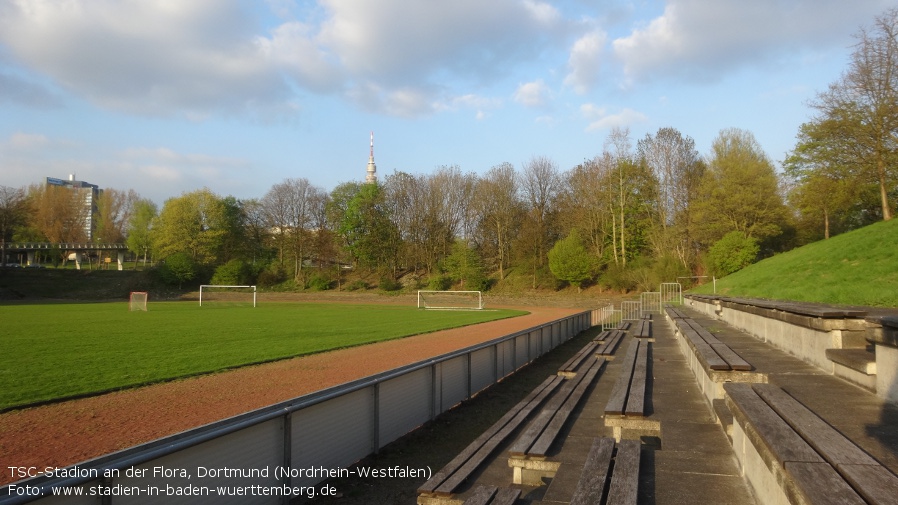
<point x="178" y="269"/>
<point x="733" y="252"/>
<point x="234" y="272"/>
<point x="439" y="282"/>
<point x="319" y="283"/>
<point x="389" y="284"/>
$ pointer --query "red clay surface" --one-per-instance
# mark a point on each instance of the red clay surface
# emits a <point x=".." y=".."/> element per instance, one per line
<point x="66" y="433"/>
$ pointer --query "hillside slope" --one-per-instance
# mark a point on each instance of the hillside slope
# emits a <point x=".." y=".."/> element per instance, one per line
<point x="856" y="268"/>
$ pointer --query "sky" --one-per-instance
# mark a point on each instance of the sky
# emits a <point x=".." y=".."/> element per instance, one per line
<point x="170" y="96"/>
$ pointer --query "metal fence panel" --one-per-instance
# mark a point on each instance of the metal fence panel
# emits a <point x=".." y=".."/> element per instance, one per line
<point x="506" y="357"/>
<point x="483" y="368"/>
<point x="522" y="350"/>
<point x="651" y="302"/>
<point x="631" y="310"/>
<point x="333" y="433"/>
<point x="453" y="382"/>
<point x="251" y="450"/>
<point x="671" y="293"/>
<point x="404" y="404"/>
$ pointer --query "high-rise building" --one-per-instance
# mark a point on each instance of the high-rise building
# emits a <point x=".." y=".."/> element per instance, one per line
<point x="371" y="176"/>
<point x="89" y="193"/>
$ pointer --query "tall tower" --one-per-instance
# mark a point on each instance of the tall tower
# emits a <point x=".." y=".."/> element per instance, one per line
<point x="371" y="176"/>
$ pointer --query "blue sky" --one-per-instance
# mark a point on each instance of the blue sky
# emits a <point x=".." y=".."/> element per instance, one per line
<point x="169" y="96"/>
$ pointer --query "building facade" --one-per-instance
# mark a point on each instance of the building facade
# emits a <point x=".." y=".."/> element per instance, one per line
<point x="88" y="194"/>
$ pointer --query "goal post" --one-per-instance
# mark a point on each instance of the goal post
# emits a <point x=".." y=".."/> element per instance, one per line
<point x="227" y="294"/>
<point x="450" y="300"/>
<point x="137" y="301"/>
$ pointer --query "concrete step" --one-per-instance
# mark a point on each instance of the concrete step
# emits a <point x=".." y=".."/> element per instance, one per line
<point x="854" y="365"/>
<point x="861" y="360"/>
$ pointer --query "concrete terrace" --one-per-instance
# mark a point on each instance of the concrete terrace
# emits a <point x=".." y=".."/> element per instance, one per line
<point x="693" y="460"/>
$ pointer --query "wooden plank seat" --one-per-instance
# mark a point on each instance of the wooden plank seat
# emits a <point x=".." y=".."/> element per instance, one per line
<point x="569" y="368"/>
<point x="528" y="456"/>
<point x="602" y="465"/>
<point x="491" y="495"/>
<point x="675" y="313"/>
<point x="609" y="344"/>
<point x="643" y="328"/>
<point x="446" y="481"/>
<point x="781" y="441"/>
<point x="625" y="410"/>
<point x="715" y="355"/>
<point x="624" y="325"/>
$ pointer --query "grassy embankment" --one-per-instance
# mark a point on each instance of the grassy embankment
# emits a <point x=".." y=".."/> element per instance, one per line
<point x="59" y="350"/>
<point x="856" y="268"/>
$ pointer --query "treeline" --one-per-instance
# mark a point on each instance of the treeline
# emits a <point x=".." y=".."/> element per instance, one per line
<point x="643" y="211"/>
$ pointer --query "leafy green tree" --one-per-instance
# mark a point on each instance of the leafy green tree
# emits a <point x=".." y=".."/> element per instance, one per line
<point x="178" y="269"/>
<point x="140" y="223"/>
<point x="370" y="236"/>
<point x="196" y="223"/>
<point x="732" y="253"/>
<point x="739" y="191"/>
<point x="570" y="261"/>
<point x="863" y="106"/>
<point x="465" y="266"/>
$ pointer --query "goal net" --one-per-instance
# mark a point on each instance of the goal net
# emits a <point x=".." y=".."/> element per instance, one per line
<point x="213" y="294"/>
<point x="450" y="300"/>
<point x="137" y="301"/>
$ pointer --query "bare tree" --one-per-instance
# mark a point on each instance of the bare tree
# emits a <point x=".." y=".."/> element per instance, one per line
<point x="114" y="209"/>
<point x="288" y="207"/>
<point x="498" y="210"/>
<point x="540" y="185"/>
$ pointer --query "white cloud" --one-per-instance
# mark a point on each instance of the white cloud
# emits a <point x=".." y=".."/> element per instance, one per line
<point x="697" y="39"/>
<point x="145" y="57"/>
<point x="532" y="94"/>
<point x="584" y="62"/>
<point x="600" y="119"/>
<point x="27" y="141"/>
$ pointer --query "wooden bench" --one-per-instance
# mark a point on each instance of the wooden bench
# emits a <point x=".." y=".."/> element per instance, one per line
<point x="491" y="495"/>
<point x="623" y="473"/>
<point x="643" y="328"/>
<point x="569" y="368"/>
<point x="528" y="455"/>
<point x="624" y="325"/>
<point x="789" y="453"/>
<point x="445" y="482"/>
<point x="608" y="344"/>
<point x="712" y="362"/>
<point x="625" y="410"/>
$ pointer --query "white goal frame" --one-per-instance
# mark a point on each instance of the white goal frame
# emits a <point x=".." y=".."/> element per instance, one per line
<point x="138" y="302"/>
<point x="223" y="286"/>
<point x="423" y="305"/>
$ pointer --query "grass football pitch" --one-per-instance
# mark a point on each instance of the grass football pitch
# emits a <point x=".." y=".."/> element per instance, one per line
<point x="53" y="351"/>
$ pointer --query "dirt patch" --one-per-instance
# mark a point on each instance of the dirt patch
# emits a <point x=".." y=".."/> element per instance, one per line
<point x="70" y="432"/>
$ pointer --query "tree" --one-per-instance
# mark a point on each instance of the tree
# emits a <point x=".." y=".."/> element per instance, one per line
<point x="570" y="261"/>
<point x="13" y="214"/>
<point x="498" y="210"/>
<point x="739" y="191"/>
<point x="58" y="213"/>
<point x="863" y="105"/>
<point x="677" y="168"/>
<point x="463" y="265"/>
<point x="289" y="209"/>
<point x="824" y="189"/>
<point x="733" y="252"/>
<point x="114" y="209"/>
<point x="540" y="186"/>
<point x="195" y="224"/>
<point x="370" y="236"/>
<point x="140" y="224"/>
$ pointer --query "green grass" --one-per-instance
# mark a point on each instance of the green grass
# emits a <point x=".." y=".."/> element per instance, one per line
<point x="856" y="268"/>
<point x="53" y="351"/>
